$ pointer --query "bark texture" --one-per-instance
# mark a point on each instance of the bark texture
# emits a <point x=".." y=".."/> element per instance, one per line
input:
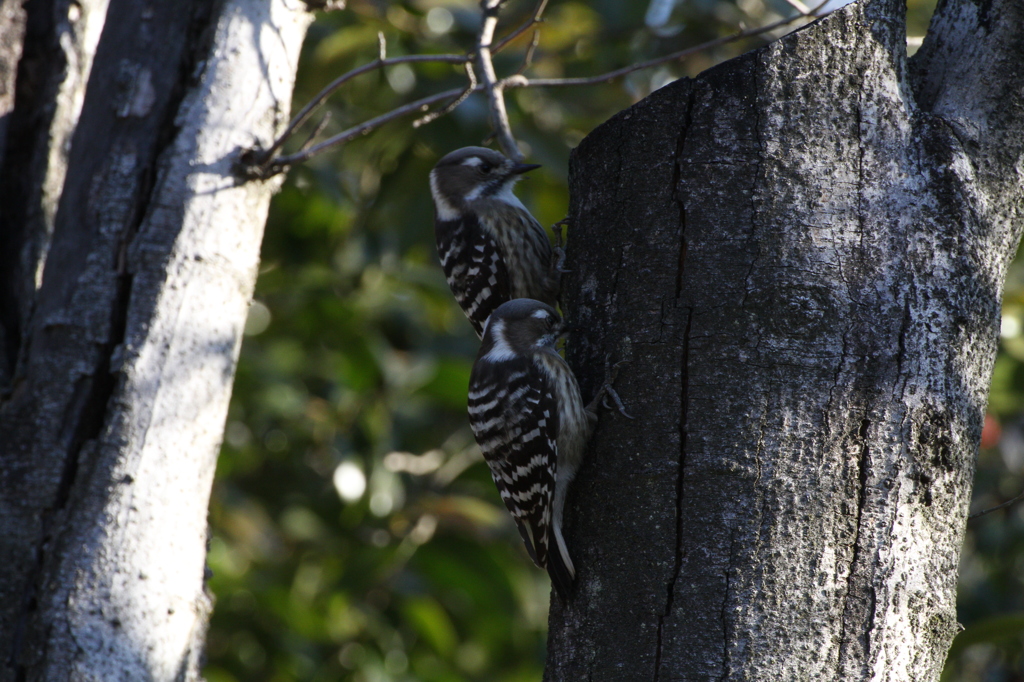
<point x="12" y="40"/>
<point x="800" y="254"/>
<point x="122" y="355"/>
<point x="48" y="72"/>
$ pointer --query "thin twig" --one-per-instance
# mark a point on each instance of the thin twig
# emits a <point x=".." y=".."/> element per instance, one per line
<point x="799" y="7"/>
<point x="280" y="163"/>
<point x="489" y="80"/>
<point x="612" y="75"/>
<point x="530" y="50"/>
<point x="316" y="131"/>
<point x="536" y="18"/>
<point x="450" y="107"/>
<point x="1014" y="500"/>
<point x="322" y="96"/>
<point x="266" y="166"/>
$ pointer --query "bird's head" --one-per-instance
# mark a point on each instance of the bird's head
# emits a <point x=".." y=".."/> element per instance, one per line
<point x="520" y="327"/>
<point x="471" y="174"/>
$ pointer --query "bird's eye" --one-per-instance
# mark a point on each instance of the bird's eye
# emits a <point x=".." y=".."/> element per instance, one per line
<point x="485" y="168"/>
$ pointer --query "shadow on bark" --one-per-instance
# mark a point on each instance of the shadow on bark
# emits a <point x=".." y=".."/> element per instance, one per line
<point x="803" y="268"/>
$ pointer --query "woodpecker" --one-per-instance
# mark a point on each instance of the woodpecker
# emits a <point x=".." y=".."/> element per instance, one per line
<point x="491" y="248"/>
<point x="532" y="426"/>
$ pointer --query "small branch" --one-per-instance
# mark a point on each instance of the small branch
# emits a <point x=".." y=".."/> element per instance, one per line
<point x="538" y="17"/>
<point x="450" y="107"/>
<point x="530" y="50"/>
<point x="279" y="164"/>
<point x="1009" y="502"/>
<point x="316" y="131"/>
<point x="256" y="163"/>
<point x="799" y="7"/>
<point x="675" y="56"/>
<point x="322" y="96"/>
<point x="491" y="85"/>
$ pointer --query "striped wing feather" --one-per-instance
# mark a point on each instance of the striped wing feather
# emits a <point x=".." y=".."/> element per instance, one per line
<point x="515" y="420"/>
<point x="473" y="265"/>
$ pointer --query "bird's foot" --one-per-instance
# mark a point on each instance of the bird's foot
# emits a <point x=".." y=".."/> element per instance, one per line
<point x="607" y="391"/>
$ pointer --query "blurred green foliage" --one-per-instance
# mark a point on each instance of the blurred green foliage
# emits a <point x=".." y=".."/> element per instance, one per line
<point x="356" y="534"/>
<point x="990" y="602"/>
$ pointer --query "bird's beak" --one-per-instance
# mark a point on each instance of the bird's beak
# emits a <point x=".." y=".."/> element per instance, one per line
<point x="521" y="168"/>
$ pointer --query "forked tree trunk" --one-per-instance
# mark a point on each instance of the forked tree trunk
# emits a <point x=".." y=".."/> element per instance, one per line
<point x="118" y="356"/>
<point x="800" y="255"/>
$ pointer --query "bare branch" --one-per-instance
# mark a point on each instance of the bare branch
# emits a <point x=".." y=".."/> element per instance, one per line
<point x="316" y="131"/>
<point x="328" y="90"/>
<point x="799" y="7"/>
<point x="1009" y="502"/>
<point x="260" y="164"/>
<point x="282" y="162"/>
<point x="491" y="85"/>
<point x="450" y="107"/>
<point x="530" y="50"/>
<point x="536" y="18"/>
<point x="675" y="56"/>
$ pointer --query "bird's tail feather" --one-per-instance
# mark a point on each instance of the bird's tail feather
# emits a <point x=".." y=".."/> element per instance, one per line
<point x="560" y="566"/>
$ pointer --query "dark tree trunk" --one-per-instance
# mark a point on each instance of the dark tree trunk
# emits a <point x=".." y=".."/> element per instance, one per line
<point x="129" y="254"/>
<point x="800" y="254"/>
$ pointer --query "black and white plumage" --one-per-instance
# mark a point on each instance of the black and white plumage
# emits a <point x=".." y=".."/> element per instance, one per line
<point x="491" y="248"/>
<point x="532" y="426"/>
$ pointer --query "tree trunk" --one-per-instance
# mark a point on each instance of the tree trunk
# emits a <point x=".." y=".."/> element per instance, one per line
<point x="800" y="255"/>
<point x="118" y="356"/>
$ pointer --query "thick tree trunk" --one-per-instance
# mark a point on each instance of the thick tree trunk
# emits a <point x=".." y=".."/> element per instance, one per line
<point x="800" y="254"/>
<point x="117" y="365"/>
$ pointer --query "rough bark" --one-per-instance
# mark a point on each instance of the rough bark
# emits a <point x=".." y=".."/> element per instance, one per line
<point x="52" y="64"/>
<point x="123" y="354"/>
<point x="800" y="254"/>
<point x="12" y="40"/>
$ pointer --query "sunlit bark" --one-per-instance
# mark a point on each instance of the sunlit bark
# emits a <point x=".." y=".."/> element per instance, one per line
<point x="132" y="254"/>
<point x="800" y="255"/>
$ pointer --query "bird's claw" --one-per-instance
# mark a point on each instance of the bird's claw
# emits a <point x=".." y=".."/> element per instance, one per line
<point x="557" y="229"/>
<point x="560" y="259"/>
<point x="608" y="391"/>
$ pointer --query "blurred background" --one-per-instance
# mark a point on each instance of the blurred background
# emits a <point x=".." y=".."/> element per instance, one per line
<point x="356" y="534"/>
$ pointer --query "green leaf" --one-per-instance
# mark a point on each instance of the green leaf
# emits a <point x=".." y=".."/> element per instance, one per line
<point x="432" y="623"/>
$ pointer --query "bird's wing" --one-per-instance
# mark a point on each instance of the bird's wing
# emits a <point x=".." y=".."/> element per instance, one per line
<point x="516" y="424"/>
<point x="473" y="265"/>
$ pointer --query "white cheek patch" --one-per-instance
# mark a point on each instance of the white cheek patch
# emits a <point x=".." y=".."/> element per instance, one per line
<point x="500" y="351"/>
<point x="445" y="211"/>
